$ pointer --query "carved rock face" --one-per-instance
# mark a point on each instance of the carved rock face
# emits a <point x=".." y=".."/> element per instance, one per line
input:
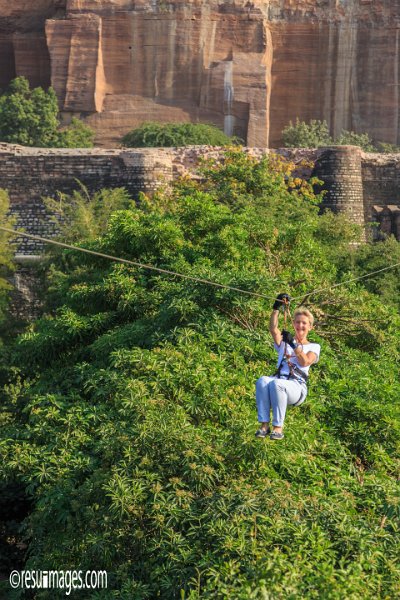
<point x="28" y="15"/>
<point x="166" y="61"/>
<point x="340" y="61"/>
<point x="23" y="47"/>
<point x="248" y="66"/>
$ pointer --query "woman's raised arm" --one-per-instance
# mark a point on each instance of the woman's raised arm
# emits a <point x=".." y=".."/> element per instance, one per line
<point x="273" y="327"/>
<point x="281" y="299"/>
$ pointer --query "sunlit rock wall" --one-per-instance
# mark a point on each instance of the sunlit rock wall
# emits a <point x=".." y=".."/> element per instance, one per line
<point x="249" y="66"/>
<point x="128" y="62"/>
<point x="23" y="45"/>
<point x="336" y="60"/>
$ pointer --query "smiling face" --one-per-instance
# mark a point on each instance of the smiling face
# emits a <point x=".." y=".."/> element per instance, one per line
<point x="301" y="326"/>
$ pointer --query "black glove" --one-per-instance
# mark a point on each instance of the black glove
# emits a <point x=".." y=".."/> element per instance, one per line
<point x="289" y="339"/>
<point x="278" y="302"/>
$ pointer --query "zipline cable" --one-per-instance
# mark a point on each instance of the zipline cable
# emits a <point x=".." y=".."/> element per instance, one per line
<point x="136" y="264"/>
<point x="318" y="291"/>
<point x="191" y="278"/>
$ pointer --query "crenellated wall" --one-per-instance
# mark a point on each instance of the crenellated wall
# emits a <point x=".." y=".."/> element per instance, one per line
<point x="366" y="186"/>
<point x="29" y="174"/>
<point x="363" y="185"/>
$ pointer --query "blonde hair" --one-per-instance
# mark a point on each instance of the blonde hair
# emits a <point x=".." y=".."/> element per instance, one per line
<point x="302" y="310"/>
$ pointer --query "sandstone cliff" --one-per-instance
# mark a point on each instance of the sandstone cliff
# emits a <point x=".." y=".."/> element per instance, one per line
<point x="23" y="46"/>
<point x="192" y="60"/>
<point x="337" y="60"/>
<point x="247" y="66"/>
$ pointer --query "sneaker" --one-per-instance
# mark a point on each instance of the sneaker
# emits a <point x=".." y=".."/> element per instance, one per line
<point x="275" y="435"/>
<point x="262" y="433"/>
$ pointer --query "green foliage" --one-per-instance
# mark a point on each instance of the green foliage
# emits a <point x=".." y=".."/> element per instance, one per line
<point x="315" y="134"/>
<point x="356" y="139"/>
<point x="153" y="135"/>
<point x="29" y="117"/>
<point x="387" y="148"/>
<point x="76" y="135"/>
<point x="306" y="135"/>
<point x="83" y="217"/>
<point x="375" y="256"/>
<point x="7" y="247"/>
<point x="129" y="411"/>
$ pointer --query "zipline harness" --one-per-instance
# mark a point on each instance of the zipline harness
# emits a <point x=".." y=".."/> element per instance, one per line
<point x="294" y="371"/>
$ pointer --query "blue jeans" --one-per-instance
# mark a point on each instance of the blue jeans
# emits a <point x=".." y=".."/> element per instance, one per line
<point x="277" y="394"/>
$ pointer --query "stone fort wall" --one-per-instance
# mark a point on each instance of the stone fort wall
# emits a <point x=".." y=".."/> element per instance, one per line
<point x="365" y="186"/>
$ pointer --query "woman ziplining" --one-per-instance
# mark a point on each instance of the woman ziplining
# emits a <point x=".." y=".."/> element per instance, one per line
<point x="288" y="386"/>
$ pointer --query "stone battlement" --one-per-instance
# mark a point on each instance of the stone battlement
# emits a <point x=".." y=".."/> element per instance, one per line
<point x="366" y="186"/>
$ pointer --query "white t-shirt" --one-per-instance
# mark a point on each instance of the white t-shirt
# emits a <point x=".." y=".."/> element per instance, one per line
<point x="316" y="348"/>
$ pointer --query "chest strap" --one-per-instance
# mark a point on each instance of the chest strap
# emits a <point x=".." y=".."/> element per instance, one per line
<point x="294" y="371"/>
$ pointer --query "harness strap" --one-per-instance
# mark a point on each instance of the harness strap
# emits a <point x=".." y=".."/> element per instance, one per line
<point x="294" y="371"/>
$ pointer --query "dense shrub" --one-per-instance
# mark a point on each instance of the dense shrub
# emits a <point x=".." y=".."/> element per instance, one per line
<point x="387" y="148"/>
<point x="356" y="139"/>
<point x="30" y="118"/>
<point x="153" y="135"/>
<point x="306" y="135"/>
<point x="75" y="135"/>
<point x="315" y="134"/>
<point x="377" y="256"/>
<point x="129" y="413"/>
<point x="82" y="216"/>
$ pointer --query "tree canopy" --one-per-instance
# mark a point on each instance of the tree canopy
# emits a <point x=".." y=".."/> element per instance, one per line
<point x="30" y="118"/>
<point x="129" y="411"/>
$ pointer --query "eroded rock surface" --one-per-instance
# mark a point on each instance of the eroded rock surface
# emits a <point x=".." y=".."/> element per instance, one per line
<point x="337" y="60"/>
<point x="247" y="66"/>
<point x="169" y="61"/>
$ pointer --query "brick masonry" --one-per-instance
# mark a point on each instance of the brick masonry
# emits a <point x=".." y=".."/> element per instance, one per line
<point x="381" y="191"/>
<point x="340" y="170"/>
<point x="366" y="186"/>
<point x="29" y="174"/>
